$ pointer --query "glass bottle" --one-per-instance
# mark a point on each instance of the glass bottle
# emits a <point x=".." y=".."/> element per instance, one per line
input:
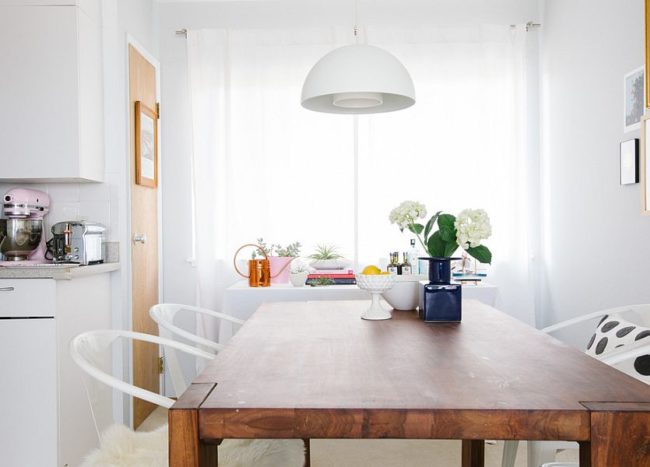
<point x="414" y="255"/>
<point x="407" y="269"/>
<point x="394" y="266"/>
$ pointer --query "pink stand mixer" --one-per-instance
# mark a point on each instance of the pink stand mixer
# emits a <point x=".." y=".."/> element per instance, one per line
<point x="22" y="235"/>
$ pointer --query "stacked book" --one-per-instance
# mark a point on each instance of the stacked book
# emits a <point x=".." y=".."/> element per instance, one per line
<point x="331" y="277"/>
<point x="468" y="277"/>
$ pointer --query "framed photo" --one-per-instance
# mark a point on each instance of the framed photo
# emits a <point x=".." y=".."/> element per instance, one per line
<point x="634" y="99"/>
<point x="146" y="146"/>
<point x="644" y="166"/>
<point x="630" y="161"/>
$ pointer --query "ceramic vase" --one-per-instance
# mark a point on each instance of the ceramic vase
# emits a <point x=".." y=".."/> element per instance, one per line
<point x="278" y="274"/>
<point x="298" y="279"/>
<point x="442" y="300"/>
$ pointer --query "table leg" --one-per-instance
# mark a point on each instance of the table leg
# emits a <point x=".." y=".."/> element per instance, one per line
<point x="473" y="453"/>
<point x="209" y="454"/>
<point x="307" y="444"/>
<point x="585" y="454"/>
<point x="186" y="449"/>
<point x="184" y="444"/>
<point x="620" y="439"/>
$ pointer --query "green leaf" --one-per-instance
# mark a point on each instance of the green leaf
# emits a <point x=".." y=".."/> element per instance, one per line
<point x="416" y="228"/>
<point x="450" y="247"/>
<point x="481" y="253"/>
<point x="448" y="234"/>
<point x="446" y="220"/>
<point x="430" y="224"/>
<point x="436" y="245"/>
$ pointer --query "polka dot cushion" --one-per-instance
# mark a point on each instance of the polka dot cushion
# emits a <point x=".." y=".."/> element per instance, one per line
<point x="613" y="333"/>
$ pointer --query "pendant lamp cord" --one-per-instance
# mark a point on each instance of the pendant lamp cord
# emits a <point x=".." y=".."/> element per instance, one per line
<point x="356" y="26"/>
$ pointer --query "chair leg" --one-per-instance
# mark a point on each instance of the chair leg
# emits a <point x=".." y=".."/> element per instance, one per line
<point x="540" y="452"/>
<point x="509" y="453"/>
<point x="307" y="444"/>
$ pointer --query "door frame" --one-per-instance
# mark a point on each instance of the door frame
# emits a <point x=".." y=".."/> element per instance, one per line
<point x="133" y="42"/>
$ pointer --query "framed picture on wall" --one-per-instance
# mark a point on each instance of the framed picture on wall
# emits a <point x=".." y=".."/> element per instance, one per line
<point x="644" y="166"/>
<point x="634" y="99"/>
<point x="630" y="161"/>
<point x="146" y="146"/>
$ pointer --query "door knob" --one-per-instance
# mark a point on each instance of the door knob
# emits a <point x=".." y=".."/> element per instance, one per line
<point x="140" y="238"/>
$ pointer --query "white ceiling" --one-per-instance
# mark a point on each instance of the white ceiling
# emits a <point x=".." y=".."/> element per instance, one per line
<point x="265" y="13"/>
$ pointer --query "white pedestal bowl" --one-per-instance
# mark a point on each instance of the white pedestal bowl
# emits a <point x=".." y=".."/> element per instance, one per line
<point x="376" y="285"/>
<point x="405" y="294"/>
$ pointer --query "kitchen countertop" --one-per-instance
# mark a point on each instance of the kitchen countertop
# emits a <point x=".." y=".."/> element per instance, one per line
<point x="58" y="272"/>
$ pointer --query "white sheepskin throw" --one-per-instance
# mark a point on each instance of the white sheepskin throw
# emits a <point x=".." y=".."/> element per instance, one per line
<point x="123" y="447"/>
<point x="262" y="453"/>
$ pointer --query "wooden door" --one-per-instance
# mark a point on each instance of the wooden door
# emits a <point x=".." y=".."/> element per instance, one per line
<point x="144" y="253"/>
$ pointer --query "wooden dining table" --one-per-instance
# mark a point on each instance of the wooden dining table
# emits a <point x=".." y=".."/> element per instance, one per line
<point x="311" y="370"/>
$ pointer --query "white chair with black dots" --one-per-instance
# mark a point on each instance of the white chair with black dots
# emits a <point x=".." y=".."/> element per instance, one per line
<point x="621" y="339"/>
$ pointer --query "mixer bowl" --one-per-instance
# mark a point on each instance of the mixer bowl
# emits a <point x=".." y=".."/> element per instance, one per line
<point x="19" y="238"/>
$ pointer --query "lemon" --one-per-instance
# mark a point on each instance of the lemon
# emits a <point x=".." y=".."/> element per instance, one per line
<point x="371" y="270"/>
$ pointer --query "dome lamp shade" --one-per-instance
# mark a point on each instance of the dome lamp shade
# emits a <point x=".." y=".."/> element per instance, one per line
<point x="358" y="79"/>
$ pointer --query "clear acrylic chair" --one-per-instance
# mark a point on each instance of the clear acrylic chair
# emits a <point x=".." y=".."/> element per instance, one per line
<point x="88" y="348"/>
<point x="165" y="316"/>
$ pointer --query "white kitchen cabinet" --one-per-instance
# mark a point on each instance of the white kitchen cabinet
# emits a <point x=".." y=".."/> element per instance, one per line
<point x="51" y="93"/>
<point x="92" y="8"/>
<point x="32" y="344"/>
<point x="43" y="397"/>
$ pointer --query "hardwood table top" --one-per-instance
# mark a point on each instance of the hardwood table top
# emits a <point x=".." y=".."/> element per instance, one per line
<point x="321" y="355"/>
<point x="316" y="370"/>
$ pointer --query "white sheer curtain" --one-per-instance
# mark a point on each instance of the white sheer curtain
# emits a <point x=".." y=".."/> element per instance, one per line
<point x="263" y="166"/>
<point x="461" y="146"/>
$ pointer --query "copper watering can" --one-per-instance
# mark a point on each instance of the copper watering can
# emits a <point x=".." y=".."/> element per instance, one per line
<point x="259" y="270"/>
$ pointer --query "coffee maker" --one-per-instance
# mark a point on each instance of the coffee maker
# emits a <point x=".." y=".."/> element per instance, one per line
<point x="21" y="231"/>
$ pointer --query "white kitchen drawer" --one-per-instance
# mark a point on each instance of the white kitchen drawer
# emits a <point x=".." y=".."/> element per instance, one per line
<point x="22" y="298"/>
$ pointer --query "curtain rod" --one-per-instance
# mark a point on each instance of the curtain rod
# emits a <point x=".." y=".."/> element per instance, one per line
<point x="529" y="25"/>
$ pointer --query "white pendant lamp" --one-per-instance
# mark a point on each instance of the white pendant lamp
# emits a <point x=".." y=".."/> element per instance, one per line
<point x="358" y="79"/>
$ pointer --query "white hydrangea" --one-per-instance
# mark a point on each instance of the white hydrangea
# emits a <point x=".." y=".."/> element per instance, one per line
<point x="407" y="213"/>
<point x="472" y="226"/>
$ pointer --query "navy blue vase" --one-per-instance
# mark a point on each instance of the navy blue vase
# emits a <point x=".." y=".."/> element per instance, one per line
<point x="442" y="299"/>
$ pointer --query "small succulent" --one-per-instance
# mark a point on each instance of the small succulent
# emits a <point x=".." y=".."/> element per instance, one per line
<point x="292" y="250"/>
<point x="321" y="281"/>
<point x="324" y="252"/>
<point x="263" y="249"/>
<point x="299" y="266"/>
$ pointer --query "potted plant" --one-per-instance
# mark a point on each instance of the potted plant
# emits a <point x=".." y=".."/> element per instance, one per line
<point x="279" y="258"/>
<point x="328" y="257"/>
<point x="299" y="273"/>
<point x="440" y="237"/>
<point x="443" y="233"/>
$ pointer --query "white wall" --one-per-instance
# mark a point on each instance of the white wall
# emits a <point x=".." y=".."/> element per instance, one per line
<point x="595" y="240"/>
<point x="137" y="19"/>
